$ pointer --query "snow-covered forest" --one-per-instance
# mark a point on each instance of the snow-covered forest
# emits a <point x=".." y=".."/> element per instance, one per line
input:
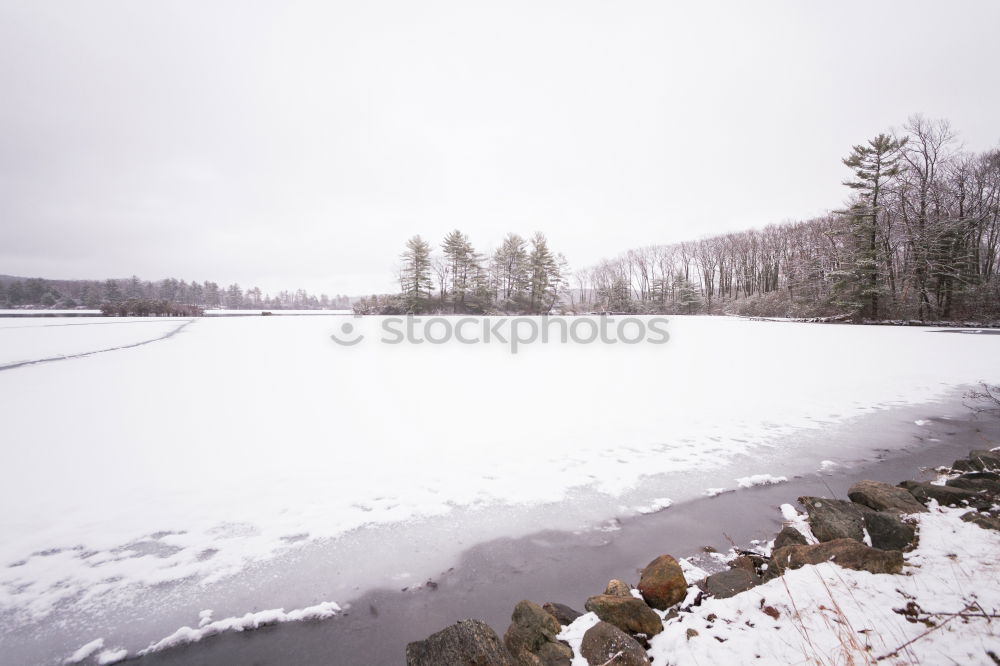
<point x="917" y="238"/>
<point x="39" y="292"/>
<point x="520" y="275"/>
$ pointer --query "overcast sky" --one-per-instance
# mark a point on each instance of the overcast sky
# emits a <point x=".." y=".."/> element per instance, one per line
<point x="299" y="144"/>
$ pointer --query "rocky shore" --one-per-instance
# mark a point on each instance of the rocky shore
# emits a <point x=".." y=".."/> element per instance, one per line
<point x="837" y="565"/>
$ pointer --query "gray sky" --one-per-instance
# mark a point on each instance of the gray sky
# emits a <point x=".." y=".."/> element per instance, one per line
<point x="298" y="144"/>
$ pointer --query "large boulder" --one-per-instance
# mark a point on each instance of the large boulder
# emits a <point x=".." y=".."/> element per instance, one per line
<point x="975" y="484"/>
<point x="605" y="643"/>
<point x="883" y="497"/>
<point x="629" y="614"/>
<point x="978" y="460"/>
<point x="887" y="531"/>
<point x="465" y="643"/>
<point x="837" y="519"/>
<point x="789" y="536"/>
<point x="847" y="553"/>
<point x="531" y="638"/>
<point x="749" y="562"/>
<point x="725" y="584"/>
<point x="618" y="588"/>
<point x="833" y="519"/>
<point x="662" y="583"/>
<point x="944" y="495"/>
<point x="561" y="612"/>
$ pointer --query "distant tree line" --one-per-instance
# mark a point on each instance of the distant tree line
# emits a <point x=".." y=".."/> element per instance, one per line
<point x="92" y="294"/>
<point x="918" y="239"/>
<point x="148" y="307"/>
<point x="522" y="276"/>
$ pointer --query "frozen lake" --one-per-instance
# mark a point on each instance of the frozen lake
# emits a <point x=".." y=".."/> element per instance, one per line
<point x="249" y="463"/>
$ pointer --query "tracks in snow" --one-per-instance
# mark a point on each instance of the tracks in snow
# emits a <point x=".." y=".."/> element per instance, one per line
<point x="18" y="364"/>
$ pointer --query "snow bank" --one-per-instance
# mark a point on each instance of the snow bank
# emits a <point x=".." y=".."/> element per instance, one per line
<point x="760" y="480"/>
<point x="836" y="615"/>
<point x="111" y="656"/>
<point x="250" y="621"/>
<point x="573" y="635"/>
<point x="829" y="615"/>
<point x="85" y="651"/>
<point x="658" y="504"/>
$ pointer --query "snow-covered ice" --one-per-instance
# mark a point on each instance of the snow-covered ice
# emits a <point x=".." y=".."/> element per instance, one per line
<point x="244" y="444"/>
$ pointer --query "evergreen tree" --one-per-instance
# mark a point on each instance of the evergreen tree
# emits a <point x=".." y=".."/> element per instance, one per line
<point x="511" y="271"/>
<point x="112" y="293"/>
<point x="134" y="287"/>
<point x="15" y="293"/>
<point x="873" y="164"/>
<point x="544" y="276"/>
<point x="234" y="297"/>
<point x="619" y="296"/>
<point x="213" y="296"/>
<point x="686" y="295"/>
<point x="461" y="260"/>
<point x="415" y="278"/>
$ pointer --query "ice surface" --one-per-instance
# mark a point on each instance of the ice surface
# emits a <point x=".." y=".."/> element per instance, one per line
<point x="245" y="441"/>
<point x="35" y="339"/>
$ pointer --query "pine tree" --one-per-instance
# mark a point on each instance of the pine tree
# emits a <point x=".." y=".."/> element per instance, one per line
<point x="15" y="293"/>
<point x="415" y="278"/>
<point x="686" y="294"/>
<point x="873" y="164"/>
<point x="544" y="277"/>
<point x="134" y="287"/>
<point x="234" y="297"/>
<point x="619" y="296"/>
<point x="461" y="259"/>
<point x="112" y="294"/>
<point x="511" y="271"/>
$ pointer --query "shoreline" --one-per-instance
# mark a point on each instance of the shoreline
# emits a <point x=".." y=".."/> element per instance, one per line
<point x="491" y="577"/>
<point x="257" y="312"/>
